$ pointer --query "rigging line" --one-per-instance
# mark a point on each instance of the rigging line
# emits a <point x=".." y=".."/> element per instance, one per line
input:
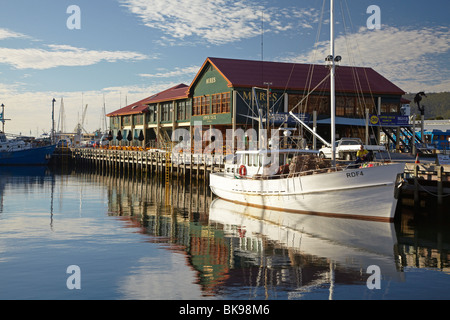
<point x="272" y="108"/>
<point x="315" y="50"/>
<point x="319" y="84"/>
<point x="359" y="51"/>
<point x="357" y="84"/>
<point x="312" y="66"/>
<point x="356" y="75"/>
<point x="249" y="107"/>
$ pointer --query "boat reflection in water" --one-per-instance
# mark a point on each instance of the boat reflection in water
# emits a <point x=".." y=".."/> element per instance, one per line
<point x="348" y="247"/>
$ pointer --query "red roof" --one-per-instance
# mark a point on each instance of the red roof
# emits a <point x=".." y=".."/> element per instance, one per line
<point x="295" y="76"/>
<point x="281" y="75"/>
<point x="174" y="93"/>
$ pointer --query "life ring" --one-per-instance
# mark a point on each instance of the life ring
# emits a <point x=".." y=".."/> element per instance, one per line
<point x="242" y="170"/>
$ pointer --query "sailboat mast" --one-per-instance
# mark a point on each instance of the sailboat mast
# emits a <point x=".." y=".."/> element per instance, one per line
<point x="332" y="86"/>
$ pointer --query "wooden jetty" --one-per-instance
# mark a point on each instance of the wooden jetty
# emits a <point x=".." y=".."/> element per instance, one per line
<point x="427" y="179"/>
<point x="136" y="161"/>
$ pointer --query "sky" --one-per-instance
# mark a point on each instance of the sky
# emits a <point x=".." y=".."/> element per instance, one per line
<point x="107" y="54"/>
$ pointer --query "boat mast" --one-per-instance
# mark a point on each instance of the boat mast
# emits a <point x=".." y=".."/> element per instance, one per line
<point x="332" y="86"/>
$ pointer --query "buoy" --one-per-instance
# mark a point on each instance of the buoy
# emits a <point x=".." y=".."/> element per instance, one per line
<point x="417" y="158"/>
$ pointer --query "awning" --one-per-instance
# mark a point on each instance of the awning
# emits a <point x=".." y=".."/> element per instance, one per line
<point x="374" y="121"/>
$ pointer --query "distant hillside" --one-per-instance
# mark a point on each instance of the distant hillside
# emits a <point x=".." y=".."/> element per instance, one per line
<point x="437" y="105"/>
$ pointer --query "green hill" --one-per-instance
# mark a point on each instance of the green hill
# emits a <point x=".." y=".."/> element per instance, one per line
<point x="437" y="105"/>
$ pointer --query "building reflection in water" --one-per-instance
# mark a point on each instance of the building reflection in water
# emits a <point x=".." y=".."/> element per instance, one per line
<point x="249" y="253"/>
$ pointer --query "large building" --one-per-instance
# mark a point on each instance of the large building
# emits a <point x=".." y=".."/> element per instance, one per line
<point x="232" y="94"/>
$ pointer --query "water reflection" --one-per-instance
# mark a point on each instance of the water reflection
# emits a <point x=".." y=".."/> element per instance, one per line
<point x="245" y="252"/>
<point x="319" y="251"/>
<point x="216" y="249"/>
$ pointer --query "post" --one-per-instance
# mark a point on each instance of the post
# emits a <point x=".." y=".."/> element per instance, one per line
<point x="378" y="114"/>
<point x="52" y="136"/>
<point x="367" y="126"/>
<point x="413" y="148"/>
<point x="314" y="129"/>
<point x="422" y="125"/>
<point x="440" y="170"/>
<point x="233" y="122"/>
<point x="416" y="185"/>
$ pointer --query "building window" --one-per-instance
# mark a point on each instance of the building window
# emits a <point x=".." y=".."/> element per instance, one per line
<point x="201" y="105"/>
<point x="152" y="113"/>
<point x="138" y="119"/>
<point x="188" y="109"/>
<point x="391" y="108"/>
<point x="126" y="121"/>
<point x="166" y="113"/>
<point x="216" y="103"/>
<point x="221" y="102"/>
<point x="320" y="104"/>
<point x="115" y="122"/>
<point x="196" y="108"/>
<point x="205" y="104"/>
<point x="345" y="106"/>
<point x="225" y="102"/>
<point x="363" y="104"/>
<point x="183" y="110"/>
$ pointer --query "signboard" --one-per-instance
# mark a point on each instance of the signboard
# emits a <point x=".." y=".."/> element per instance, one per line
<point x="284" y="117"/>
<point x="388" y="120"/>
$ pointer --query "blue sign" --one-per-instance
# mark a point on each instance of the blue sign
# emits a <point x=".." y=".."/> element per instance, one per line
<point x="388" y="120"/>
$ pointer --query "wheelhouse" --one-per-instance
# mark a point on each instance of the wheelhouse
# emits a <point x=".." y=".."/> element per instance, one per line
<point x="262" y="162"/>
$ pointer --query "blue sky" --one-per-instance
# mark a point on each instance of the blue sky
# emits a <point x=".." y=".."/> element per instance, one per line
<point x="127" y="50"/>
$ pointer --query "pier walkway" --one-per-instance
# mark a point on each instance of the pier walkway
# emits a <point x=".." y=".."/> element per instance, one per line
<point x="136" y="161"/>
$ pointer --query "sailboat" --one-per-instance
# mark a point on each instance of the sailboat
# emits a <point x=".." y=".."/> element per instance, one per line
<point x="367" y="192"/>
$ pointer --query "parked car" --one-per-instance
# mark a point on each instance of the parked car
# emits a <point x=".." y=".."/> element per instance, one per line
<point x="346" y="149"/>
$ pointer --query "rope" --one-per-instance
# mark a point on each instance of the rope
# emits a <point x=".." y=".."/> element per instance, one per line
<point x="431" y="193"/>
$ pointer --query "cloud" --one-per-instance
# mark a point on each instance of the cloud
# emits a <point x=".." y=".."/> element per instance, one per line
<point x="61" y="55"/>
<point x="5" y="34"/>
<point x="175" y="73"/>
<point x="30" y="112"/>
<point x="412" y="59"/>
<point x="214" y="21"/>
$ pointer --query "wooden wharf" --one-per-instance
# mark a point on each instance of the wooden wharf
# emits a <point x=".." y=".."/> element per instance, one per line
<point x="427" y="179"/>
<point x="151" y="162"/>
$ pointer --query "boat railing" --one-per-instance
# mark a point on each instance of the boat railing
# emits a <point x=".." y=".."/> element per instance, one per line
<point x="313" y="171"/>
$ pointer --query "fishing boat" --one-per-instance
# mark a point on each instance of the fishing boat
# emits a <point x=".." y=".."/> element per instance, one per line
<point x="19" y="152"/>
<point x="293" y="181"/>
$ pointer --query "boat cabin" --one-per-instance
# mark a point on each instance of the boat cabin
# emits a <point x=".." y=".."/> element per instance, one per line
<point x="251" y="163"/>
<point x="10" y="145"/>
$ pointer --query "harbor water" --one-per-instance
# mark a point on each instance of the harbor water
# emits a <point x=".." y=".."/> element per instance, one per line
<point x="81" y="235"/>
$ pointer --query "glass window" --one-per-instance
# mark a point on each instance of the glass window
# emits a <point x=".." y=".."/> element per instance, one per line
<point x="225" y="102"/>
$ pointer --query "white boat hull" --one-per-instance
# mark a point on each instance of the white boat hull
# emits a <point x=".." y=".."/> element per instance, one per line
<point x="363" y="193"/>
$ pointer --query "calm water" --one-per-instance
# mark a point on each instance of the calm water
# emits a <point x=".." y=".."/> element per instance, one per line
<point x="136" y="239"/>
